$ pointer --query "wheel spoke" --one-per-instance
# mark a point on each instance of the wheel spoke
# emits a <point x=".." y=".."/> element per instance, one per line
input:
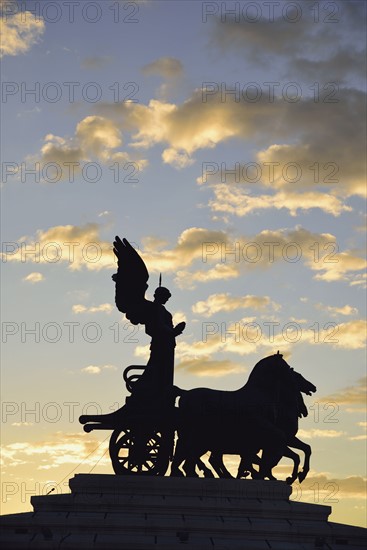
<point x="137" y="452"/>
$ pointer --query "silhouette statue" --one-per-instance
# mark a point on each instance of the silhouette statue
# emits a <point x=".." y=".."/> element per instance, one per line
<point x="131" y="283"/>
<point x="262" y="416"/>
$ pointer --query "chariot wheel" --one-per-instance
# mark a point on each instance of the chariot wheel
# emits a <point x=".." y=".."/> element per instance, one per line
<point x="134" y="452"/>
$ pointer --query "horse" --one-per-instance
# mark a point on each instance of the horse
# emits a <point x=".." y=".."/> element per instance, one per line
<point x="262" y="414"/>
<point x="285" y="421"/>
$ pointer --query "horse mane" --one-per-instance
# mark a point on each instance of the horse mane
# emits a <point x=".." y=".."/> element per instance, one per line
<point x="267" y="369"/>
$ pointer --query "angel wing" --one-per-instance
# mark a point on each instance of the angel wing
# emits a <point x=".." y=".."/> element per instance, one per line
<point x="131" y="282"/>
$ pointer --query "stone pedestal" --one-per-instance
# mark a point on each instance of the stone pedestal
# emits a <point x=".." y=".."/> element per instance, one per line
<point x="126" y="513"/>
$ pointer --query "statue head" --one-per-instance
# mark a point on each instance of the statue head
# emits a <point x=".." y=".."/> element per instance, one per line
<point x="162" y="294"/>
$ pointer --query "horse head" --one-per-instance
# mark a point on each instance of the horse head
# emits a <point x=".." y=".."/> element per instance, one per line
<point x="302" y="384"/>
<point x="269" y="366"/>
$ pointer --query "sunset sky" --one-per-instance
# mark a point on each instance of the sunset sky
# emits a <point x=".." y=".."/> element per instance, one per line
<point x="226" y="141"/>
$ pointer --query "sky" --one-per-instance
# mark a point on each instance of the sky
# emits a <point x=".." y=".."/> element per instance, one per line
<point x="227" y="142"/>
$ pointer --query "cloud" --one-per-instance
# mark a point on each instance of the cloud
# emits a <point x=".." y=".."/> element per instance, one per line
<point x="225" y="302"/>
<point x="340" y="67"/>
<point x="61" y="448"/>
<point x="341" y="267"/>
<point x="222" y="257"/>
<point x="166" y="67"/>
<point x="102" y="308"/>
<point x="95" y="62"/>
<point x="179" y="316"/>
<point x="349" y="487"/>
<point x="240" y="202"/>
<point x="34" y="277"/>
<point x="220" y="272"/>
<point x="351" y="395"/>
<point x="176" y="159"/>
<point x="20" y="32"/>
<point x="335" y="165"/>
<point x="171" y="70"/>
<point x="318" y="252"/>
<point x="300" y="167"/>
<point x="188" y="249"/>
<point x="299" y="133"/>
<point x="251" y="335"/>
<point x="96" y="138"/>
<point x="315" y="433"/>
<point x="304" y="48"/>
<point x="350" y="335"/>
<point x="204" y="366"/>
<point x="273" y="37"/>
<point x="334" y="310"/>
<point x="95" y="369"/>
<point x="75" y="246"/>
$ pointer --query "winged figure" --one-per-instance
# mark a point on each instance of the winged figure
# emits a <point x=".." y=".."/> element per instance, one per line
<point x="131" y="284"/>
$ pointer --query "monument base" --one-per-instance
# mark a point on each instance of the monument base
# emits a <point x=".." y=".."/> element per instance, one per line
<point x="133" y="512"/>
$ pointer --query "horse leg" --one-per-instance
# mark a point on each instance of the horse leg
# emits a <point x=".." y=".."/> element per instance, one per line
<point x="298" y="444"/>
<point x="206" y="471"/>
<point x="246" y="467"/>
<point x="189" y="467"/>
<point x="270" y="457"/>
<point x="296" y="460"/>
<point x="216" y="461"/>
<point x="178" y="458"/>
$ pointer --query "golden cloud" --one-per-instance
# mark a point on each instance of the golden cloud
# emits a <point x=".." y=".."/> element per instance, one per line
<point x="315" y="433"/>
<point x="351" y="395"/>
<point x="222" y="258"/>
<point x="76" y="246"/>
<point x="63" y="448"/>
<point x="20" y="32"/>
<point x="225" y="302"/>
<point x="34" y="277"/>
<point x="204" y="120"/>
<point x="334" y="310"/>
<point x="204" y="366"/>
<point x="96" y="138"/>
<point x="96" y="369"/>
<point x="102" y="308"/>
<point x="240" y="202"/>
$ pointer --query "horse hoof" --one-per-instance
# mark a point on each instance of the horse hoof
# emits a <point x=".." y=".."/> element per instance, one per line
<point x="176" y="473"/>
<point x="190" y="473"/>
<point x="289" y="480"/>
<point x="301" y="476"/>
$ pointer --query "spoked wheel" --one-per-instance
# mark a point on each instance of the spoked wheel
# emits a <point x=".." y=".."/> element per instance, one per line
<point x="134" y="452"/>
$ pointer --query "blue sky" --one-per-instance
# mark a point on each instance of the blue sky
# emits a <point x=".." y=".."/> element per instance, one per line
<point x="180" y="139"/>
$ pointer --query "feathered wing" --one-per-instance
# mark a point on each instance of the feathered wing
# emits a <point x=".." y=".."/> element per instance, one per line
<point x="131" y="282"/>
